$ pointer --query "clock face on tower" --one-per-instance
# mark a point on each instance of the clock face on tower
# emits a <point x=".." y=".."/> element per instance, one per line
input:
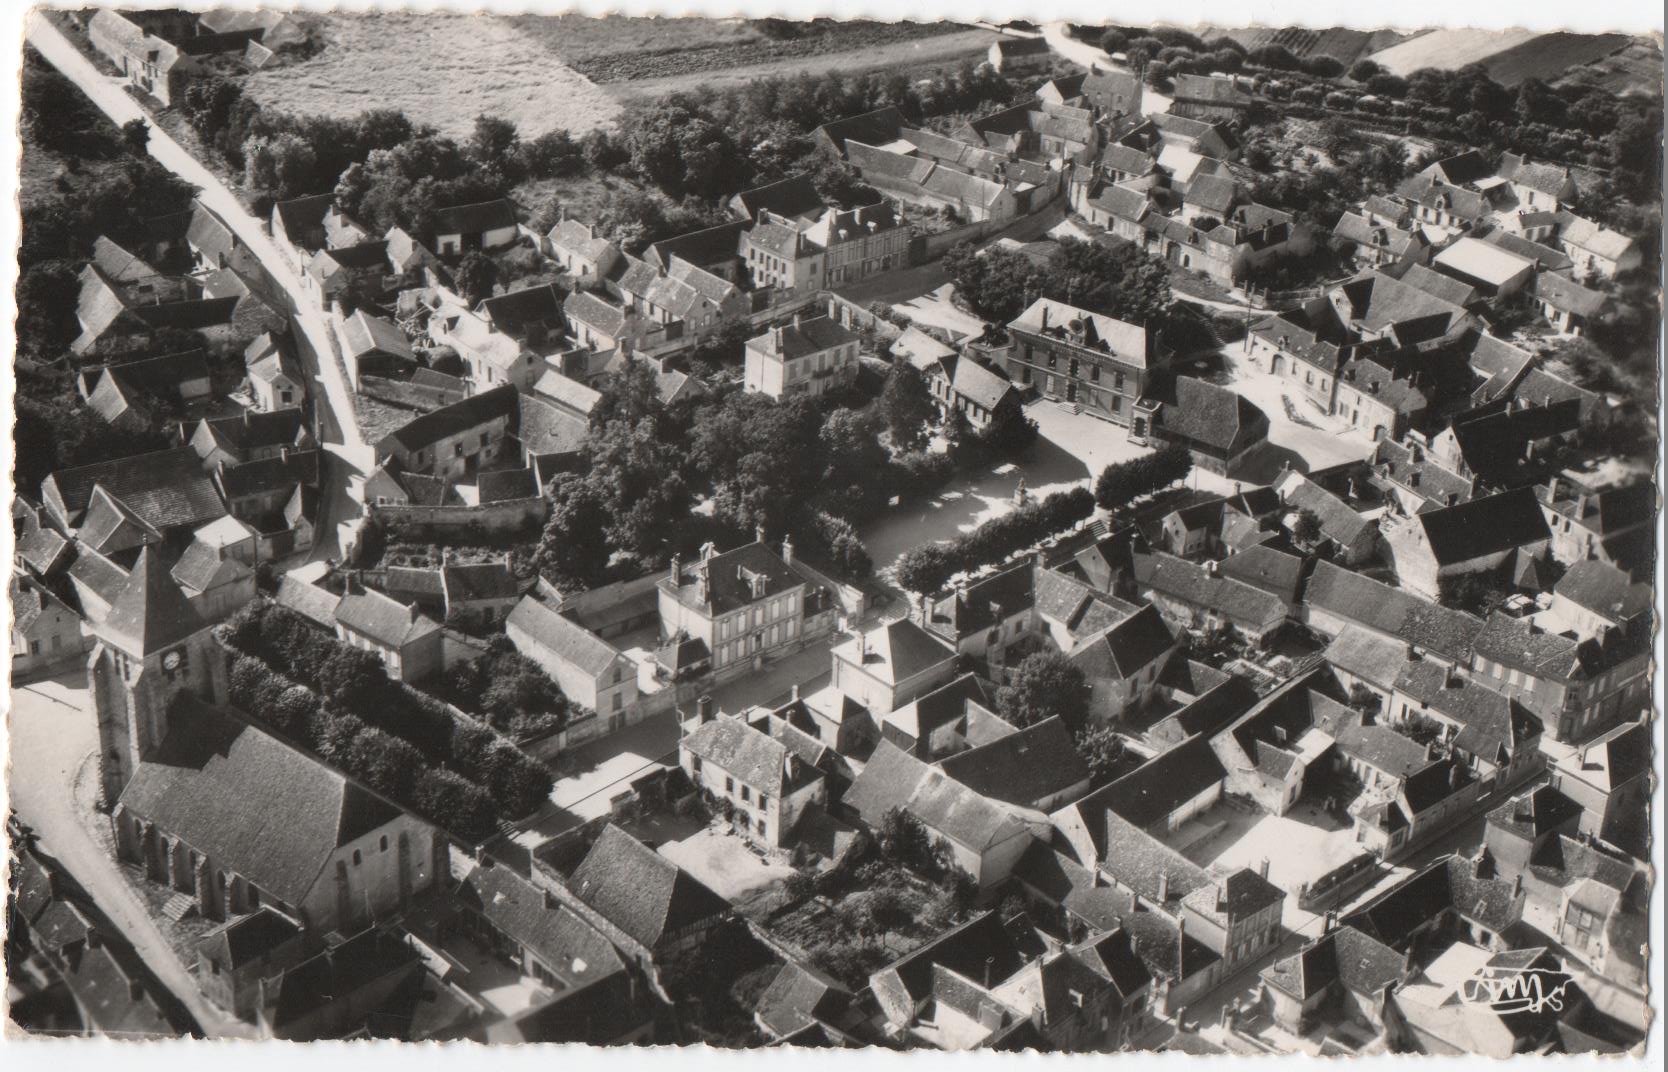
<point x="171" y="661"/>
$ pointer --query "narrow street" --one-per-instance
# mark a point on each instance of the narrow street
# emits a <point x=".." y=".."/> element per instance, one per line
<point x="53" y="737"/>
<point x="333" y="405"/>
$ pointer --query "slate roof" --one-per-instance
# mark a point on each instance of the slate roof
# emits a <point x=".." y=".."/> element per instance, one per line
<point x="1360" y="963"/>
<point x="1114" y="92"/>
<point x="641" y="892"/>
<point x="1383" y="303"/>
<point x="1127" y="648"/>
<point x="1367" y="655"/>
<point x="1064" y="882"/>
<point x="1213" y="194"/>
<point x="1392" y="611"/>
<point x="1541" y="177"/>
<point x="871" y="128"/>
<point x="727" y="586"/>
<point x="247" y="939"/>
<point x="471" y="412"/>
<point x="151" y="613"/>
<point x="1549" y="259"/>
<point x="899" y="650"/>
<point x="1141" y="862"/>
<point x="1539" y="811"/>
<point x="366" y="334"/>
<point x="568" y="946"/>
<point x="1439" y="285"/>
<point x="1613" y="759"/>
<point x="201" y="568"/>
<point x="1601" y="241"/>
<point x="1046" y="316"/>
<point x="984" y="603"/>
<point x="1201" y="412"/>
<point x="302" y="214"/>
<point x="386" y="621"/>
<point x="1484" y="526"/>
<point x="1566" y="296"/>
<point x="802" y="338"/>
<point x="519" y="311"/>
<point x="1382" y="748"/>
<point x="922" y="716"/>
<point x="1604" y="590"/>
<point x="1024" y="768"/>
<point x="1339" y="523"/>
<point x="1394" y="915"/>
<point x="797" y="998"/>
<point x="167" y="488"/>
<point x="792" y="196"/>
<point x="894" y="779"/>
<point x="980" y="385"/>
<point x="474" y="219"/>
<point x="704" y="248"/>
<point x="1122" y="201"/>
<point x="1276" y="572"/>
<point x="1354" y="227"/>
<point x="581" y="239"/>
<point x="731" y="745"/>
<point x="1156" y="788"/>
<point x="1190" y="583"/>
<point x="250" y="802"/>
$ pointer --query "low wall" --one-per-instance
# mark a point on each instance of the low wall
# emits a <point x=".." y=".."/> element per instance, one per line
<point x="499" y="518"/>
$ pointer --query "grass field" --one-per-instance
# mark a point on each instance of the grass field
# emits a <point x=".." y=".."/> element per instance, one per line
<point x="620" y="50"/>
<point x="1448" y="49"/>
<point x="542" y="72"/>
<point x="442" y="69"/>
<point x="1553" y="55"/>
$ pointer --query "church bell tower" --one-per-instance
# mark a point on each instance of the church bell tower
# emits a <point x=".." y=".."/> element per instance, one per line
<point x="152" y="646"/>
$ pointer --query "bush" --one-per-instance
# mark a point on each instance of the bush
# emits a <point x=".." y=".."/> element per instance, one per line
<point x="925" y="569"/>
<point x="1121" y="483"/>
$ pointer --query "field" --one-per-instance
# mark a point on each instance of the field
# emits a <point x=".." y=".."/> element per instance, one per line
<point x="1341" y="43"/>
<point x="545" y="72"/>
<point x="1634" y="69"/>
<point x="442" y="69"/>
<point x="611" y="50"/>
<point x="1552" y="55"/>
<point x="1449" y="49"/>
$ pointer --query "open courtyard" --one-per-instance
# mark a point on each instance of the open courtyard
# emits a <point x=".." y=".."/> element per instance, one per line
<point x="1300" y="846"/>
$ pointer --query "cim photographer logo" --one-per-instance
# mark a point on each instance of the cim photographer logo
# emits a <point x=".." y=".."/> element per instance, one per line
<point x="1509" y="990"/>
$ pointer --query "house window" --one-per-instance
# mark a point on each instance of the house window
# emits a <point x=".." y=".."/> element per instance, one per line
<point x="383" y="843"/>
<point x="356" y="858"/>
<point x="729" y="784"/>
<point x="764" y="800"/>
<point x="746" y="794"/>
<point x="618" y="702"/>
<point x="1094" y="373"/>
<point x="695" y="764"/>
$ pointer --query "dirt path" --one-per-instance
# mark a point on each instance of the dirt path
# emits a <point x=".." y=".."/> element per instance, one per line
<point x="930" y="50"/>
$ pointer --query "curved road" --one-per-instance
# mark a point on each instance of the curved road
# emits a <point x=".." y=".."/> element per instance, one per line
<point x="346" y="449"/>
<point x="52" y="734"/>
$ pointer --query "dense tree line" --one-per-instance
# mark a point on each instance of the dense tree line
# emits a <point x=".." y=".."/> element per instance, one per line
<point x="1121" y="483"/>
<point x="340" y="701"/>
<point x="926" y="569"/>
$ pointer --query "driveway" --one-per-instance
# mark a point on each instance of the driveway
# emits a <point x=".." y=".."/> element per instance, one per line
<point x="53" y="740"/>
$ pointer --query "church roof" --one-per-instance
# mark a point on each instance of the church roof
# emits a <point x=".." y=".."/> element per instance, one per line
<point x="151" y="613"/>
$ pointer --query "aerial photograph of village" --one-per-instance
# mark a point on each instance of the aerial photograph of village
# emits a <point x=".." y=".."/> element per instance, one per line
<point x="931" y="536"/>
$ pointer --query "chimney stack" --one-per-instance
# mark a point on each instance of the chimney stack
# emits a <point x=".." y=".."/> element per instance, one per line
<point x="1181" y="947"/>
<point x="1163" y="887"/>
<point x="787" y="550"/>
<point x="759" y="533"/>
<point x="676" y="571"/>
<point x="793" y="694"/>
<point x="703" y="707"/>
<point x="1262" y="871"/>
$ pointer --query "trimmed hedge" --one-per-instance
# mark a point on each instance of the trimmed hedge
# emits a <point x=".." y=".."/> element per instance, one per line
<point x="402" y="742"/>
<point x="927" y="568"/>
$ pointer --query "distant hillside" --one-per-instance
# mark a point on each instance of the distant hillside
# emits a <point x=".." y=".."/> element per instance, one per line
<point x="1510" y="56"/>
<point x="1341" y="44"/>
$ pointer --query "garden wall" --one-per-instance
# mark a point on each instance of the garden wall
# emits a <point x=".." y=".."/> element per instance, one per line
<point x="497" y="519"/>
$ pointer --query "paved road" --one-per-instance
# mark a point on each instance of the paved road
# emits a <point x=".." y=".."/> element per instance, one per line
<point x="52" y="735"/>
<point x="1095" y="59"/>
<point x="333" y="406"/>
